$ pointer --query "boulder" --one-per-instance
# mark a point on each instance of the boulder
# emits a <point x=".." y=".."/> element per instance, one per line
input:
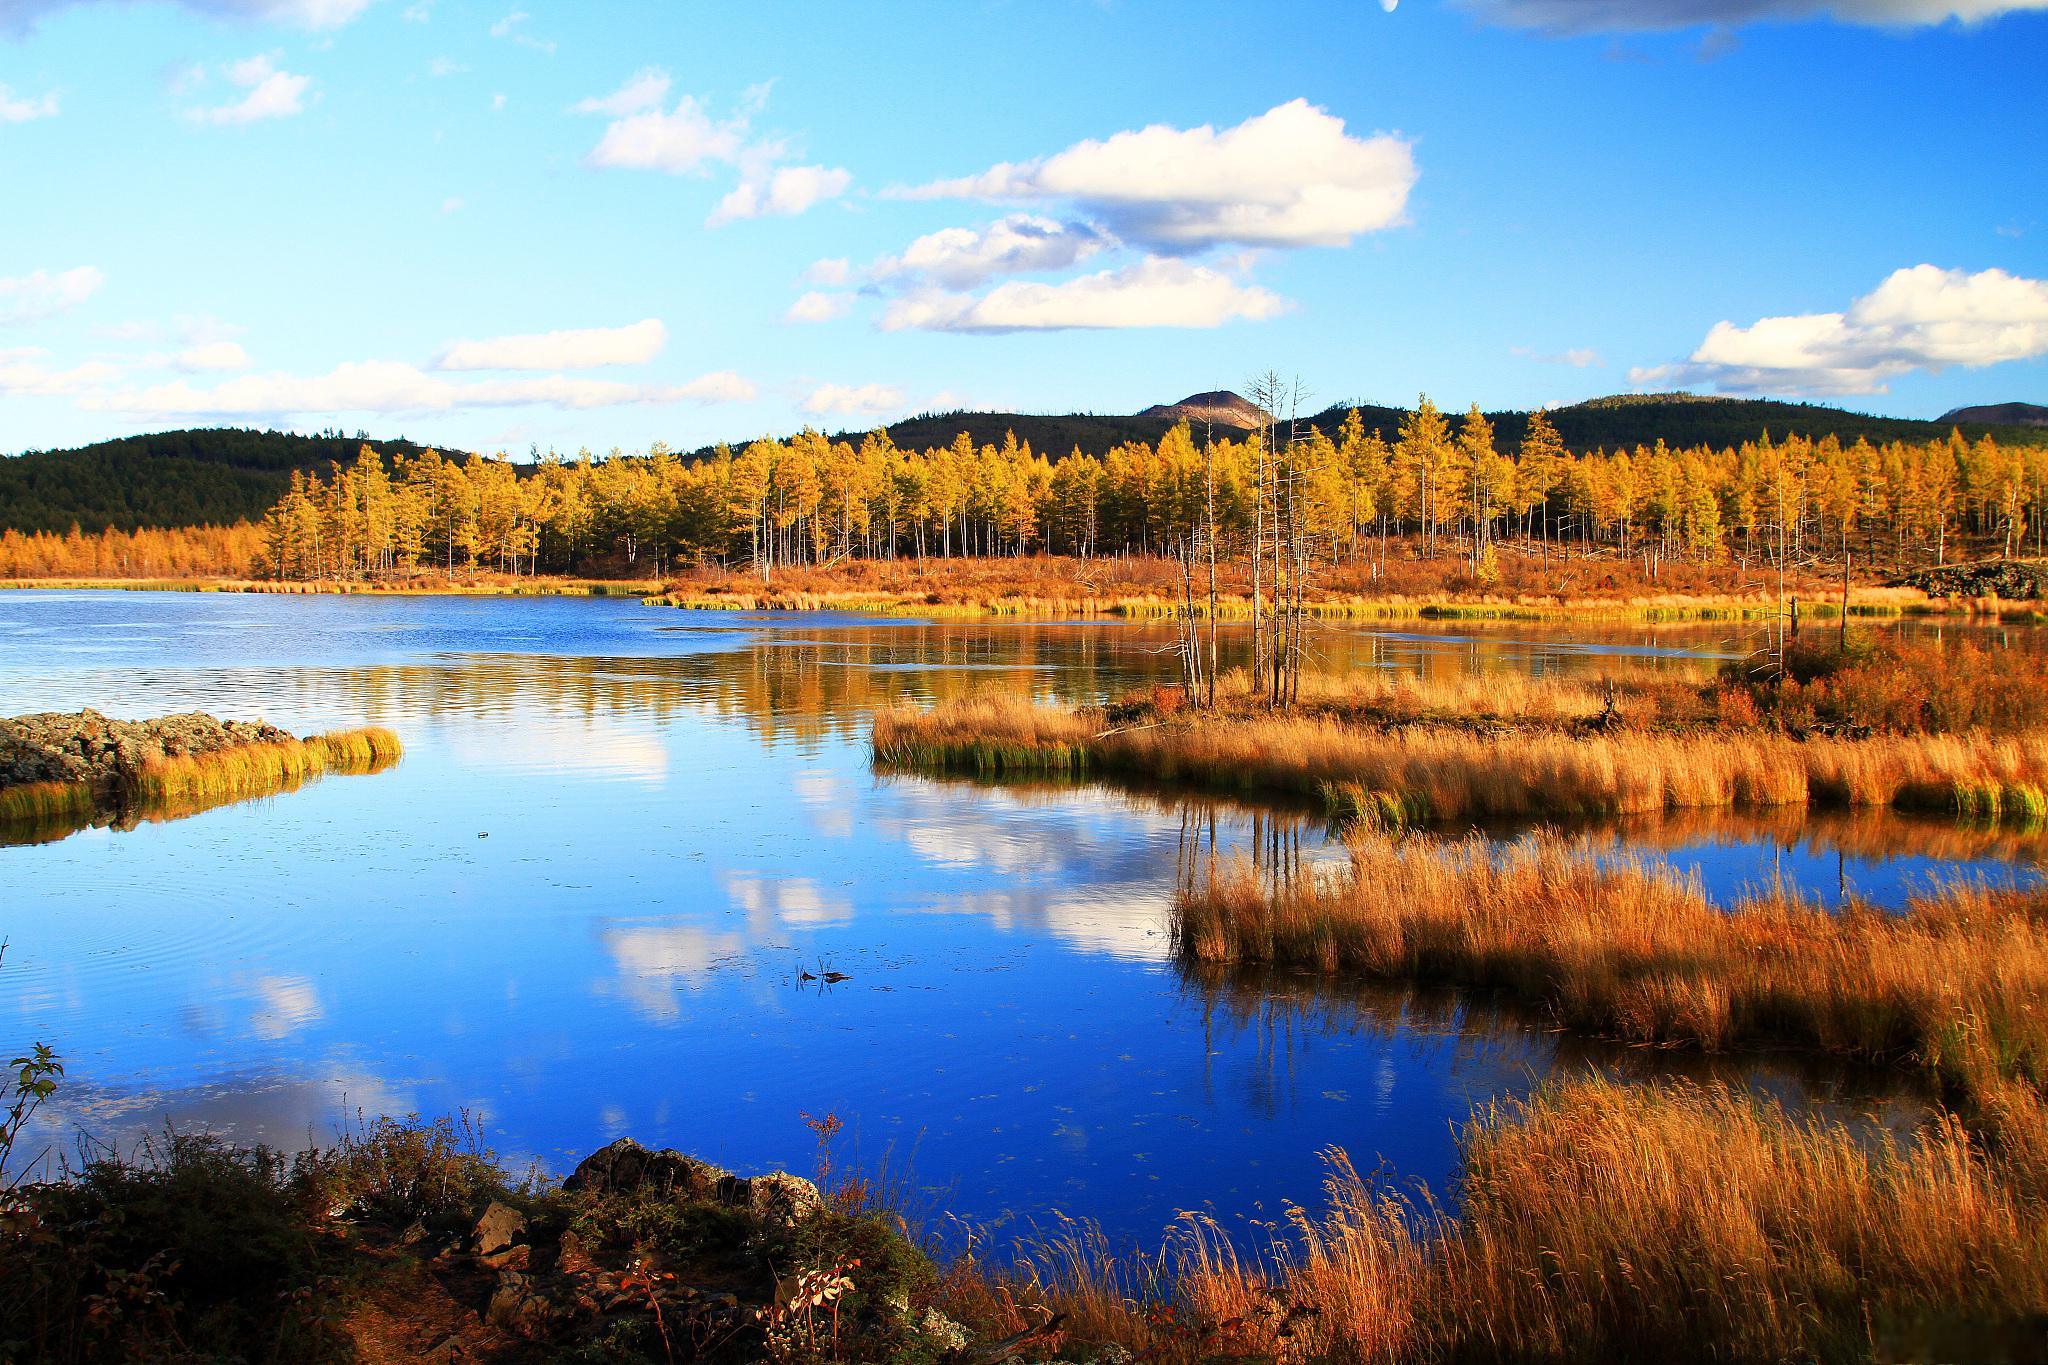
<point x="625" y="1165"/>
<point x="497" y="1229"/>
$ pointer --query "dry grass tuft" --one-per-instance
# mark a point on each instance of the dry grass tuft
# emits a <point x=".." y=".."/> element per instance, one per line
<point x="256" y="769"/>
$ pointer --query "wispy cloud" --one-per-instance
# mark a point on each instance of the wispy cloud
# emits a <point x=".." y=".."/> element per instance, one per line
<point x="1628" y="16"/>
<point x="272" y="93"/>
<point x="41" y="294"/>
<point x="26" y="108"/>
<point x="854" y="399"/>
<point x="581" y="349"/>
<point x="1154" y="292"/>
<point x="512" y="29"/>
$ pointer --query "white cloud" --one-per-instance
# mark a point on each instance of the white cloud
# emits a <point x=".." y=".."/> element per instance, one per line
<point x="512" y="28"/>
<point x="384" y="386"/>
<point x="678" y="142"/>
<point x="454" y="203"/>
<point x="1155" y="292"/>
<point x="272" y="93"/>
<point x="961" y="258"/>
<point x="1612" y="16"/>
<point x="39" y="294"/>
<point x="784" y="192"/>
<point x="498" y="103"/>
<point x="817" y="306"/>
<point x="833" y="272"/>
<point x="24" y="375"/>
<point x="1921" y="318"/>
<point x="644" y="135"/>
<point x="19" y="16"/>
<point x="1578" y="357"/>
<point x="1289" y="177"/>
<point x="213" y="355"/>
<point x="568" y="350"/>
<point x="26" y="108"/>
<point x="644" y="89"/>
<point x="445" y="66"/>
<point x="854" y="398"/>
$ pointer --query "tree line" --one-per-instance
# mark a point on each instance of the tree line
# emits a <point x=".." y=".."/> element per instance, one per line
<point x="1444" y="485"/>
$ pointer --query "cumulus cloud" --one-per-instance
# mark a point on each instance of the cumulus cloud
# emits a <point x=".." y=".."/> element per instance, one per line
<point x="384" y="386"/>
<point x="782" y="192"/>
<point x="1021" y="244"/>
<point x="817" y="306"/>
<point x="1290" y="177"/>
<point x="645" y="134"/>
<point x="860" y="399"/>
<point x="272" y="93"/>
<point x="26" y="108"/>
<point x="40" y="294"/>
<point x="1920" y="318"/>
<point x="1154" y="292"/>
<point x="580" y="349"/>
<point x="19" y="16"/>
<point x="1612" y="16"/>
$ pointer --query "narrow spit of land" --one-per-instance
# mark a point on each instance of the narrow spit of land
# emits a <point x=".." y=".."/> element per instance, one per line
<point x="58" y="767"/>
<point x="1946" y="727"/>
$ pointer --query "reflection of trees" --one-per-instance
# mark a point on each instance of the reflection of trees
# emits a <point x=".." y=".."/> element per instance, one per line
<point x="1491" y="1046"/>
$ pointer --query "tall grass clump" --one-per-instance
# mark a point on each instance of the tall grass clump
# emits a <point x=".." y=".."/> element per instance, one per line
<point x="1598" y="1221"/>
<point x="256" y="769"/>
<point x="1954" y="985"/>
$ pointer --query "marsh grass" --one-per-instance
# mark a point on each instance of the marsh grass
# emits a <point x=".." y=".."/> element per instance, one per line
<point x="45" y="802"/>
<point x="1444" y="773"/>
<point x="1609" y="945"/>
<point x="1594" y="1221"/>
<point x="257" y="769"/>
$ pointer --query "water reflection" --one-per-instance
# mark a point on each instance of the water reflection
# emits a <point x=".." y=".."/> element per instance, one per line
<point x="679" y="821"/>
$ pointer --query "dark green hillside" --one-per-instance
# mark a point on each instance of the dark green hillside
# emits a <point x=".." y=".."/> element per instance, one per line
<point x="172" y="478"/>
<point x="1683" y="419"/>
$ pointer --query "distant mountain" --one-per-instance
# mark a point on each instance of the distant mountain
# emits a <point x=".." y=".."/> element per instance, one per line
<point x="2001" y="414"/>
<point x="1219" y="407"/>
<point x="173" y="478"/>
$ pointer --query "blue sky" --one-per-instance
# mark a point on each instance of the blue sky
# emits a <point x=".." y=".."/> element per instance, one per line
<point x="498" y="225"/>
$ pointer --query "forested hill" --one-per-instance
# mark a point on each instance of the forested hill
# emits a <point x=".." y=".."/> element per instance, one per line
<point x="1626" y="420"/>
<point x="173" y="478"/>
<point x="219" y="476"/>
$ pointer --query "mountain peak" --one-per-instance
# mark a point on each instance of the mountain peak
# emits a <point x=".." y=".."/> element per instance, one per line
<point x="1218" y="406"/>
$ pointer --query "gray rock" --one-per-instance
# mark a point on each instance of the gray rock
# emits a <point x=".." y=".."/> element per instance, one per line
<point x="625" y="1165"/>
<point x="778" y="1198"/>
<point x="941" y="1331"/>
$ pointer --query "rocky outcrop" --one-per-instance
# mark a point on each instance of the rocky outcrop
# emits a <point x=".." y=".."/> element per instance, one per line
<point x="625" y="1166"/>
<point x="108" y="755"/>
<point x="2014" y="580"/>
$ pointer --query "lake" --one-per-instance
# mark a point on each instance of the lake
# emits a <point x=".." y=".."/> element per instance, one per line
<point x="592" y="899"/>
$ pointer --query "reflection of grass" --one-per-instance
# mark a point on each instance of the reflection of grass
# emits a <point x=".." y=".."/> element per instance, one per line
<point x="170" y="787"/>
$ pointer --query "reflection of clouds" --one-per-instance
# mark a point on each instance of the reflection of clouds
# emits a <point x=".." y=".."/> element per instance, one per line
<point x="825" y="797"/>
<point x="791" y="901"/>
<point x="593" y="748"/>
<point x="284" y="1005"/>
<point x="1124" y="920"/>
<point x="289" y="1112"/>
<point x="1090" y="832"/>
<point x="654" y="959"/>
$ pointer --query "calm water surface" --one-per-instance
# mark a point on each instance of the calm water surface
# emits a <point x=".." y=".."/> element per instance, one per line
<point x="585" y="903"/>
